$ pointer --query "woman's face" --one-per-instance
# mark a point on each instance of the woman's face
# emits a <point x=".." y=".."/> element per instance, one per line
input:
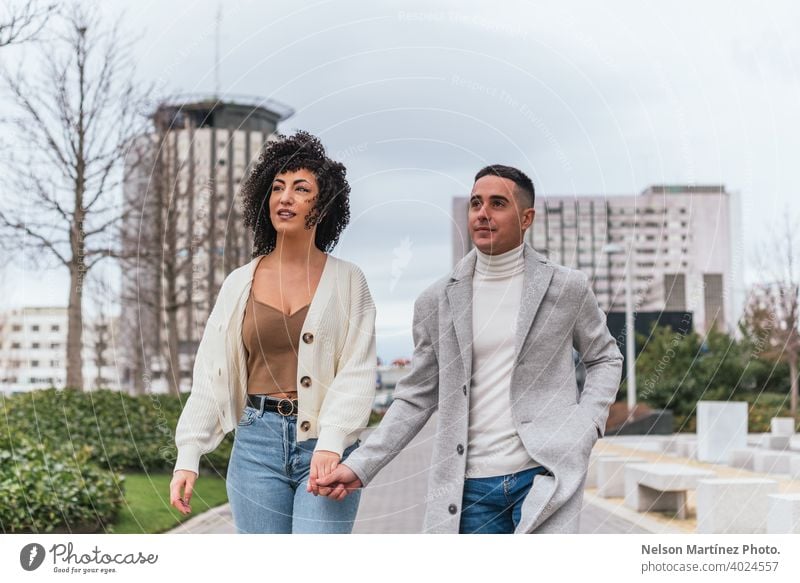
<point x="291" y="200"/>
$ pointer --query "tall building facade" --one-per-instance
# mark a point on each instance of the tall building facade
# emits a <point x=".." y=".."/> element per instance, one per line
<point x="681" y="243"/>
<point x="184" y="233"/>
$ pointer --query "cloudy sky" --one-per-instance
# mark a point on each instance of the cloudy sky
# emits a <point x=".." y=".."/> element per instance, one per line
<point x="587" y="97"/>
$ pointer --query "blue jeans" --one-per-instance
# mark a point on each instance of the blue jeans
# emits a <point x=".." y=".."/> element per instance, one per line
<point x="494" y="505"/>
<point x="267" y="477"/>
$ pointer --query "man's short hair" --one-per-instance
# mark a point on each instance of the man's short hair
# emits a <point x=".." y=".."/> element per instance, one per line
<point x="524" y="184"/>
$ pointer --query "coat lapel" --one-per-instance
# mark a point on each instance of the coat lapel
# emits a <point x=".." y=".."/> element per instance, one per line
<point x="459" y="296"/>
<point x="538" y="274"/>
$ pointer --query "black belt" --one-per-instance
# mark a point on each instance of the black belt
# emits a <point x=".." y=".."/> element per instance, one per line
<point x="285" y="407"/>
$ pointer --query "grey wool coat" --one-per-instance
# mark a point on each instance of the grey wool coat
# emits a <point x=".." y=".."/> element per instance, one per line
<point x="557" y="424"/>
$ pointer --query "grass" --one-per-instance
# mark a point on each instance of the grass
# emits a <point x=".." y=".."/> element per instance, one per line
<point x="147" y="509"/>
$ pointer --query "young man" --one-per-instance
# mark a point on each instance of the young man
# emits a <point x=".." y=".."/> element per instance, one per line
<point x="494" y="355"/>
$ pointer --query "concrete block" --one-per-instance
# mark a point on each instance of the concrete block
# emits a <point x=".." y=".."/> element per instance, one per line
<point x="733" y="506"/>
<point x="784" y="514"/>
<point x="782" y="426"/>
<point x="721" y="428"/>
<point x="773" y="462"/>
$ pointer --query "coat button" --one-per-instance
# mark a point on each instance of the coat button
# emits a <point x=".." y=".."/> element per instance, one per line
<point x="308" y="338"/>
<point x="305" y="425"/>
<point x="305" y="381"/>
<point x="465" y="389"/>
<point x="452" y="509"/>
<point x="460" y="449"/>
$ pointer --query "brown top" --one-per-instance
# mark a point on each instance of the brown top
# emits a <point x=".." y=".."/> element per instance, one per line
<point x="271" y="338"/>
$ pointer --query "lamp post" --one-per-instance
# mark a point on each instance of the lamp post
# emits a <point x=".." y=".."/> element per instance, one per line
<point x="630" y="333"/>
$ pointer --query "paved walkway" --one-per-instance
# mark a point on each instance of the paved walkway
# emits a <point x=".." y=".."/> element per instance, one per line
<point x="395" y="500"/>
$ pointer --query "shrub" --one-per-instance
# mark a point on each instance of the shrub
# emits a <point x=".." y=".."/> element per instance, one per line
<point x="121" y="432"/>
<point x="48" y="488"/>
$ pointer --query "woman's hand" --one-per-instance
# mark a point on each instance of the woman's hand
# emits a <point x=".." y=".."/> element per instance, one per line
<point x="180" y="490"/>
<point x="322" y="463"/>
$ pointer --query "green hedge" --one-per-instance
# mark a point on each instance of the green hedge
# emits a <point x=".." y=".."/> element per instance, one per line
<point x="121" y="432"/>
<point x="47" y="488"/>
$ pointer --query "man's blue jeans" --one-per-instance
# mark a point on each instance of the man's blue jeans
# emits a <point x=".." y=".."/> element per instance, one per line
<point x="494" y="505"/>
<point x="267" y="476"/>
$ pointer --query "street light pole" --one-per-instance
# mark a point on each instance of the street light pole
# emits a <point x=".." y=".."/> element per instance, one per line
<point x="630" y="340"/>
<point x="630" y="332"/>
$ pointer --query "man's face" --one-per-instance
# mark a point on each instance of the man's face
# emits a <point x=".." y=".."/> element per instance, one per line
<point x="497" y="221"/>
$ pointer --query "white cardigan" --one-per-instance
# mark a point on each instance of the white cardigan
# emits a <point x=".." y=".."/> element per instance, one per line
<point x="337" y="354"/>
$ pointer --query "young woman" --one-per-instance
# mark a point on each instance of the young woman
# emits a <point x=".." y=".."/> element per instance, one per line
<point x="288" y="351"/>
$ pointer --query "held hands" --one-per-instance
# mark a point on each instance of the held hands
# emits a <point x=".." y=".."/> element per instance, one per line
<point x="182" y="483"/>
<point x="336" y="485"/>
<point x="328" y="478"/>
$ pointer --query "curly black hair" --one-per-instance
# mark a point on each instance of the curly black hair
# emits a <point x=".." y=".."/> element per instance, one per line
<point x="302" y="151"/>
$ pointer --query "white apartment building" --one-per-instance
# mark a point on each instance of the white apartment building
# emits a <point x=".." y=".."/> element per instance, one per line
<point x="681" y="242"/>
<point x="33" y="350"/>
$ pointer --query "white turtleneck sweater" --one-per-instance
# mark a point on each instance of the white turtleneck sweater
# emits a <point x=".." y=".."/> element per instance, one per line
<point x="494" y="447"/>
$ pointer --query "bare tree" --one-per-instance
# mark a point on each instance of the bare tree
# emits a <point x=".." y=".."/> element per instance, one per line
<point x="74" y="125"/>
<point x="772" y="314"/>
<point x="23" y="21"/>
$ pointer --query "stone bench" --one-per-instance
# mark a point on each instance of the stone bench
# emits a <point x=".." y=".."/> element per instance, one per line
<point x="687" y="448"/>
<point x="610" y="474"/>
<point x="648" y="443"/>
<point x="743" y="458"/>
<point x="773" y="462"/>
<point x="733" y="506"/>
<point x="784" y="514"/>
<point x="794" y="466"/>
<point x="677" y="443"/>
<point x="650" y="487"/>
<point x="771" y="441"/>
<point x="778" y="442"/>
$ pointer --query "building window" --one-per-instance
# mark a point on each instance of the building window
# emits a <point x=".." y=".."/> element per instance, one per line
<point x="674" y="292"/>
<point x="15" y="345"/>
<point x="16" y="328"/>
<point x="34" y="363"/>
<point x="35" y="328"/>
<point x="712" y="288"/>
<point x="55" y="345"/>
<point x="55" y="328"/>
<point x="34" y="345"/>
